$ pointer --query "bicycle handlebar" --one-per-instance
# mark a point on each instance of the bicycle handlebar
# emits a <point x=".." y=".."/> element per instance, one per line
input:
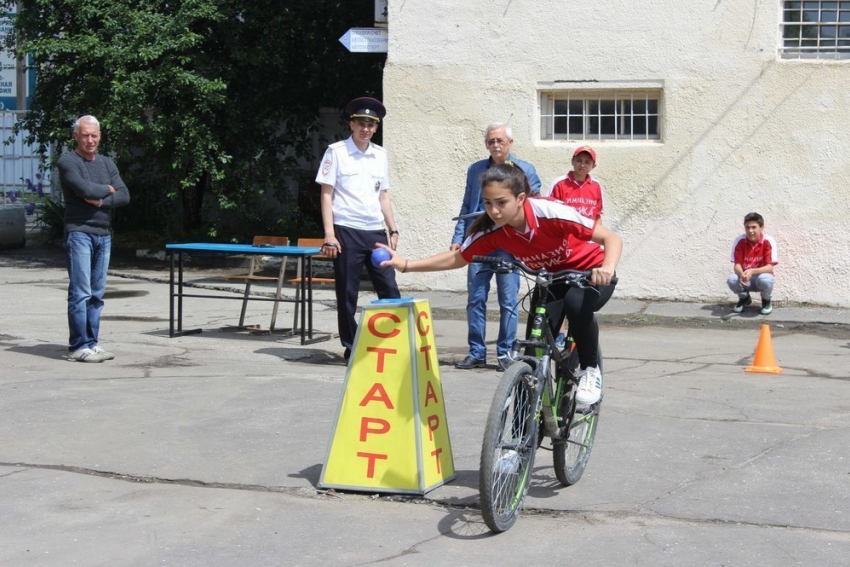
<point x="582" y="278"/>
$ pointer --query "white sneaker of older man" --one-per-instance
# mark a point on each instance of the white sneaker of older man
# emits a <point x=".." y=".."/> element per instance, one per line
<point x="103" y="353"/>
<point x="589" y="386"/>
<point x="85" y="355"/>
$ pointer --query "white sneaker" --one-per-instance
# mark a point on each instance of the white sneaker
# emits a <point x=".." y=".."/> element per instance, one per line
<point x="589" y="386"/>
<point x="106" y="355"/>
<point x="85" y="355"/>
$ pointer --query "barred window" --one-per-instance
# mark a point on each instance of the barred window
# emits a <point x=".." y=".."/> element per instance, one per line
<point x="600" y="115"/>
<point x="815" y="30"/>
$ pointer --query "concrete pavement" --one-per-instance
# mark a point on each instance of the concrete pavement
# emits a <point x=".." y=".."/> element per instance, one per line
<point x="206" y="449"/>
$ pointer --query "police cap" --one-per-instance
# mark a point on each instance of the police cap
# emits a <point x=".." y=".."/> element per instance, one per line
<point x="366" y="108"/>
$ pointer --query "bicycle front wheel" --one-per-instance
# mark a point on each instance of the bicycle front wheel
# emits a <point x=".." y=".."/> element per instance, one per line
<point x="571" y="454"/>
<point x="507" y="453"/>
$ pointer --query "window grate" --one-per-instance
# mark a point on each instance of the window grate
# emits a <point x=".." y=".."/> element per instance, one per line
<point x="600" y="115"/>
<point x="815" y="29"/>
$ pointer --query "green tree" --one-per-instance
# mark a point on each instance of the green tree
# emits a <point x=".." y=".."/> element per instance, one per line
<point x="209" y="102"/>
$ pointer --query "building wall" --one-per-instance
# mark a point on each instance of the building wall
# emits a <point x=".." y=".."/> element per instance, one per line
<point x="742" y="131"/>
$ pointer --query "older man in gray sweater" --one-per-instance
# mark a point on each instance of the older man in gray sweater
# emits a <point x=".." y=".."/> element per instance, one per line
<point x="92" y="187"/>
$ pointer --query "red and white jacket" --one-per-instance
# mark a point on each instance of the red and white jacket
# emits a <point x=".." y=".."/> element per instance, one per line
<point x="549" y="240"/>
<point x="754" y="255"/>
<point x="586" y="197"/>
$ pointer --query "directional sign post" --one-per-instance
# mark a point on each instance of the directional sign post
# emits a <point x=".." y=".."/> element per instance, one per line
<point x="381" y="11"/>
<point x="365" y="40"/>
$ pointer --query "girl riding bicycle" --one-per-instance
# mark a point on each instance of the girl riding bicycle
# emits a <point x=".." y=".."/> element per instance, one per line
<point x="538" y="232"/>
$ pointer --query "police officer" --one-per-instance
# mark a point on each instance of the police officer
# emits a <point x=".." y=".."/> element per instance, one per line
<point x="357" y="212"/>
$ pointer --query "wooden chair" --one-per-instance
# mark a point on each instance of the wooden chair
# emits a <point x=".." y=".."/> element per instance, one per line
<point x="251" y="277"/>
<point x="297" y="280"/>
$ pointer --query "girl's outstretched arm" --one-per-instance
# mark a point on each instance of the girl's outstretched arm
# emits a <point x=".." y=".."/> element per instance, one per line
<point x="449" y="260"/>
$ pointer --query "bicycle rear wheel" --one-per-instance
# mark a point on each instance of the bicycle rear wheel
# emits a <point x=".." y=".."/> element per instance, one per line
<point x="571" y="454"/>
<point x="507" y="452"/>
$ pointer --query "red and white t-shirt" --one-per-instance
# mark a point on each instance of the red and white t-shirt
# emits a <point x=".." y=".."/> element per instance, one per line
<point x="754" y="255"/>
<point x="584" y="196"/>
<point x="545" y="243"/>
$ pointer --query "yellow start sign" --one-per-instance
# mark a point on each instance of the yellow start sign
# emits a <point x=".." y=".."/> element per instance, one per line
<point x="391" y="433"/>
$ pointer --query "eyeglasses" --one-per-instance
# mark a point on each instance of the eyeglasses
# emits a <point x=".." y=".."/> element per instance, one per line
<point x="496" y="141"/>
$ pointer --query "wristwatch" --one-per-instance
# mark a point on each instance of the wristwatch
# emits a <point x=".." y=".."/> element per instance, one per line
<point x="393" y="232"/>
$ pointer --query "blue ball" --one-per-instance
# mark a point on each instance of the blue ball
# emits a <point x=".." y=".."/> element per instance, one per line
<point x="380" y="255"/>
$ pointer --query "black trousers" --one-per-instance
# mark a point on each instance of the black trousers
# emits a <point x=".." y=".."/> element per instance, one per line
<point x="579" y="306"/>
<point x="357" y="246"/>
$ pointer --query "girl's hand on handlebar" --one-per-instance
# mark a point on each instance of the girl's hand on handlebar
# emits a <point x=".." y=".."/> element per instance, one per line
<point x="601" y="276"/>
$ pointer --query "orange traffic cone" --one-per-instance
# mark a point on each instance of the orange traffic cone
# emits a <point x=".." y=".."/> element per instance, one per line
<point x="764" y="361"/>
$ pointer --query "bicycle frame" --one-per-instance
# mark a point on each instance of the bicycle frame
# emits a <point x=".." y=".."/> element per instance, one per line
<point x="535" y="398"/>
<point x="548" y="387"/>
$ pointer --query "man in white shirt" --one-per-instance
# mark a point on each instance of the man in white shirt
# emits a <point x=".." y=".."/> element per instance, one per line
<point x="357" y="212"/>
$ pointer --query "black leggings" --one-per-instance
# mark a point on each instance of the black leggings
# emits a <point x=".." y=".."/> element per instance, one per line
<point x="579" y="306"/>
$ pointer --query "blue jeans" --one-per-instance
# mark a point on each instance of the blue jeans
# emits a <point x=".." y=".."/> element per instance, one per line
<point x="478" y="287"/>
<point x="762" y="283"/>
<point x="88" y="261"/>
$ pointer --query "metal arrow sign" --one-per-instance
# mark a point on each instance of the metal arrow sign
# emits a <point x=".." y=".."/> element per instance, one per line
<point x="365" y="40"/>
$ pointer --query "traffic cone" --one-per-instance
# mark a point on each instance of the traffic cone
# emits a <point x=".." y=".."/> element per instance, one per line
<point x="764" y="362"/>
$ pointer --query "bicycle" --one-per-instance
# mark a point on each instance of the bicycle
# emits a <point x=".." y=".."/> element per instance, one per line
<point x="534" y="400"/>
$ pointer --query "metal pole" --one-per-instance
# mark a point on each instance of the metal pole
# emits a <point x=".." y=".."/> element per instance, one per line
<point x="20" y="71"/>
<point x="171" y="296"/>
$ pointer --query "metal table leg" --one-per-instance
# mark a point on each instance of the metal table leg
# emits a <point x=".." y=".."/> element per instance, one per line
<point x="171" y="297"/>
<point x="309" y="297"/>
<point x="180" y="294"/>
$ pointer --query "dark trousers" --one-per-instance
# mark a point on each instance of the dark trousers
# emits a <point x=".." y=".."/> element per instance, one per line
<point x="357" y="246"/>
<point x="579" y="306"/>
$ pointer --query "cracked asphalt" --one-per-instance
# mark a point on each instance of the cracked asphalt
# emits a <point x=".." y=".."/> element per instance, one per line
<point x="206" y="449"/>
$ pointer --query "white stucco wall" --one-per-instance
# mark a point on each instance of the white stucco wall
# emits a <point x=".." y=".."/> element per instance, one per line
<point x="742" y="131"/>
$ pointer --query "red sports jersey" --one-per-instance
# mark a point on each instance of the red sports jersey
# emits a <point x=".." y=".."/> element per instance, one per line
<point x="756" y="255"/>
<point x="546" y="242"/>
<point x="585" y="197"/>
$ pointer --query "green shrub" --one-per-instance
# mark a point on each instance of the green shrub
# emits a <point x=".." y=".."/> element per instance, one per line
<point x="50" y="218"/>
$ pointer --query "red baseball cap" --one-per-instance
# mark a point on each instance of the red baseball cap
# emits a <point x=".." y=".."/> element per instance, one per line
<point x="587" y="149"/>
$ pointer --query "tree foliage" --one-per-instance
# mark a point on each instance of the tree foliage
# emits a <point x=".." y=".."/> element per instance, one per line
<point x="197" y="98"/>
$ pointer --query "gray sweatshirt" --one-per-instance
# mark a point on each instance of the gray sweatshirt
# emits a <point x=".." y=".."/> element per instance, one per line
<point x="83" y="179"/>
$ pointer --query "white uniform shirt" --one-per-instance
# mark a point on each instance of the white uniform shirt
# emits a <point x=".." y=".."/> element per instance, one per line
<point x="358" y="179"/>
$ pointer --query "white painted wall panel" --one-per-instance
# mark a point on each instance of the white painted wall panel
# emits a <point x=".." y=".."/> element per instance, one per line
<point x="742" y="131"/>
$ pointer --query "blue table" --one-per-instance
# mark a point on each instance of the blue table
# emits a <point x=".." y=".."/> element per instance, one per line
<point x="303" y="254"/>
